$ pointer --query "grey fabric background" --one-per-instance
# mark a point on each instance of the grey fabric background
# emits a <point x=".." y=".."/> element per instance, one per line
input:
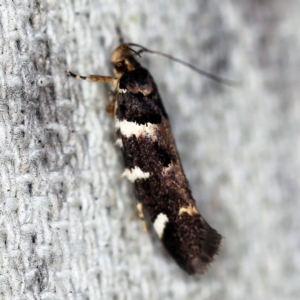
<point x="65" y="224"/>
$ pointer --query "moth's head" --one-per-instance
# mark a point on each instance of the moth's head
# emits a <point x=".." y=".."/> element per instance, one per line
<point x="123" y="59"/>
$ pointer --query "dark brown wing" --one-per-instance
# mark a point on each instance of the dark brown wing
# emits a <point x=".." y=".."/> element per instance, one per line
<point x="154" y="167"/>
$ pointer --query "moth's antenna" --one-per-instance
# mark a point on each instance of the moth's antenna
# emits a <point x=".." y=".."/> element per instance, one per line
<point x="119" y="33"/>
<point x="197" y="70"/>
<point x="135" y="52"/>
<point x="121" y="41"/>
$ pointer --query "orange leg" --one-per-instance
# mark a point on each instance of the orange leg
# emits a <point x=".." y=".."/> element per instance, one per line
<point x="110" y="108"/>
<point x="92" y="78"/>
<point x="140" y="214"/>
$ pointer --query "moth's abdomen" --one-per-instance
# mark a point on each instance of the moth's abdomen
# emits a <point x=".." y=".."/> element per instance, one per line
<point x="152" y="164"/>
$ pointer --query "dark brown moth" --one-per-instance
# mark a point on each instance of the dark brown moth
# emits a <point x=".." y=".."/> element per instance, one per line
<point x="153" y="165"/>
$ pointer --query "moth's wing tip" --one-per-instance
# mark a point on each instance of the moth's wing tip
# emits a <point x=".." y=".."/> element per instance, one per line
<point x="200" y="264"/>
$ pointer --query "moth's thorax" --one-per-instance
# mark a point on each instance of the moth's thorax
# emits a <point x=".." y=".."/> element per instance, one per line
<point x="123" y="60"/>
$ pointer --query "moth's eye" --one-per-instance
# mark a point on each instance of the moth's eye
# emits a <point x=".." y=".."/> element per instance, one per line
<point x="120" y="64"/>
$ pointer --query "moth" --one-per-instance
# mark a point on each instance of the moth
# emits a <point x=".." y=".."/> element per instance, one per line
<point x="152" y="162"/>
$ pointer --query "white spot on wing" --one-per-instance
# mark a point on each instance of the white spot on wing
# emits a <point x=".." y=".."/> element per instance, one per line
<point x="160" y="224"/>
<point x="129" y="129"/>
<point x="122" y="91"/>
<point x="135" y="173"/>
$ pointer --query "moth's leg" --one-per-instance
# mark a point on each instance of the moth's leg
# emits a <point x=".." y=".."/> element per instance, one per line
<point x="92" y="78"/>
<point x="110" y="108"/>
<point x="140" y="214"/>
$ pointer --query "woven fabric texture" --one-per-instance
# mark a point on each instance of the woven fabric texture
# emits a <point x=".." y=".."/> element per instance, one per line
<point x="65" y="216"/>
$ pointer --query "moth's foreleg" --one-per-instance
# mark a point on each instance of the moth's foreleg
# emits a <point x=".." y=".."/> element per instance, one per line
<point x="110" y="108"/>
<point x="92" y="78"/>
